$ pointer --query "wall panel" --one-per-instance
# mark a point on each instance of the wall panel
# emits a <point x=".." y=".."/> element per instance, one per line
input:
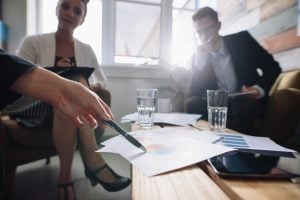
<point x="274" y="7"/>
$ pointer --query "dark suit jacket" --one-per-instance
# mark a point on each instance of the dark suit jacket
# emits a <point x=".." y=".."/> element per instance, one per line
<point x="247" y="55"/>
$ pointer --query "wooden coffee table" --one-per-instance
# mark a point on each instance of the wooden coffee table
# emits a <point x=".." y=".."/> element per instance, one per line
<point x="201" y="182"/>
<point x="251" y="188"/>
<point x="189" y="183"/>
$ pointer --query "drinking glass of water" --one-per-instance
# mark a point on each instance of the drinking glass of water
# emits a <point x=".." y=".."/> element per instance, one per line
<point x="146" y="104"/>
<point x="217" y="101"/>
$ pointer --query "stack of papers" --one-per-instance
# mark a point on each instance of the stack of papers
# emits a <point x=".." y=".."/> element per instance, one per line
<point x="173" y="148"/>
<point x="167" y="149"/>
<point x="253" y="144"/>
<point x="179" y="119"/>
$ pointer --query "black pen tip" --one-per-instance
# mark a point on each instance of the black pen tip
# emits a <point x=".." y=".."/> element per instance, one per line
<point x="143" y="149"/>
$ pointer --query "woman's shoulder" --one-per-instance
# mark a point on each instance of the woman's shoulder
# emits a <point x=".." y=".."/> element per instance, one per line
<point x="39" y="37"/>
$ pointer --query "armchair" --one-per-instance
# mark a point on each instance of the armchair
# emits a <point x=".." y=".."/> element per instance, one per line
<point x="283" y="110"/>
<point x="21" y="145"/>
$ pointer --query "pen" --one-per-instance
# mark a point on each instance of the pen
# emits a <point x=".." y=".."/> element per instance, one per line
<point x="240" y="93"/>
<point x="192" y="125"/>
<point x="233" y="94"/>
<point x="128" y="137"/>
<point x="218" y="140"/>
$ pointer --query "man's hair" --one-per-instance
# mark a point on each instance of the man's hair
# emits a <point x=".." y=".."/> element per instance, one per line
<point x="205" y="12"/>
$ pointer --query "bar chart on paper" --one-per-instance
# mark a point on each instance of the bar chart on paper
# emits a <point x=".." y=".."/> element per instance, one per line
<point x="253" y="144"/>
<point x="234" y="141"/>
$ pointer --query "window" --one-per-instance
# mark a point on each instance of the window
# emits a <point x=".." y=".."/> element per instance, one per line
<point x="48" y="20"/>
<point x="146" y="1"/>
<point x="137" y="33"/>
<point x="149" y="32"/>
<point x="90" y="31"/>
<point x="184" y="40"/>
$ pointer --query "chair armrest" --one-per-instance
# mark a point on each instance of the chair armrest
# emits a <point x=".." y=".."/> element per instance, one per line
<point x="15" y="134"/>
<point x="282" y="115"/>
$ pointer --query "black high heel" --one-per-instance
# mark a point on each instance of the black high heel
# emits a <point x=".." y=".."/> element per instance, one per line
<point x="119" y="184"/>
<point x="65" y="187"/>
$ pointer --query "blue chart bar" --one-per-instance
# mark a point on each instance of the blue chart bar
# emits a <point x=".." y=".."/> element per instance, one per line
<point x="235" y="141"/>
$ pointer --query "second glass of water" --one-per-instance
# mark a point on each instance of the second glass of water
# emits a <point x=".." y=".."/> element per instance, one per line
<point x="146" y="104"/>
<point x="217" y="101"/>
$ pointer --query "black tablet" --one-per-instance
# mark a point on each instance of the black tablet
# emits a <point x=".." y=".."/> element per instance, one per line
<point x="67" y="71"/>
<point x="250" y="165"/>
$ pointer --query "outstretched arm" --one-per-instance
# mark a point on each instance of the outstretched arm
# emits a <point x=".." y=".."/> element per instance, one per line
<point x="71" y="98"/>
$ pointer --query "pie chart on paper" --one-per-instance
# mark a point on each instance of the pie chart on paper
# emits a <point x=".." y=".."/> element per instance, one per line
<point x="159" y="149"/>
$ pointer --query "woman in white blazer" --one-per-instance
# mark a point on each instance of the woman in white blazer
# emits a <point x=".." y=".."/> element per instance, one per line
<point x="62" y="50"/>
<point x="41" y="49"/>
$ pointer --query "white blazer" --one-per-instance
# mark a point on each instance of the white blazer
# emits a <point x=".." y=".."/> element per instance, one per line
<point x="40" y="49"/>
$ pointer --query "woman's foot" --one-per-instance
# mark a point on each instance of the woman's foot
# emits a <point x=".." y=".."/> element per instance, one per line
<point x="105" y="176"/>
<point x="66" y="191"/>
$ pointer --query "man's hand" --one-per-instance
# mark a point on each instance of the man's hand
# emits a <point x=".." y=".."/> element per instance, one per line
<point x="255" y="94"/>
<point x="204" y="49"/>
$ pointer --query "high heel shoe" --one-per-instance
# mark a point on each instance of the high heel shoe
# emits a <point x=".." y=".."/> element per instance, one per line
<point x="119" y="184"/>
<point x="65" y="186"/>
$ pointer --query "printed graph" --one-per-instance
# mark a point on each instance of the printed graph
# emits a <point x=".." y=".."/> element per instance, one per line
<point x="234" y="141"/>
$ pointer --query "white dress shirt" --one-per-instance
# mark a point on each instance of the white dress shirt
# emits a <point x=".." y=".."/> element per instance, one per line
<point x="222" y="64"/>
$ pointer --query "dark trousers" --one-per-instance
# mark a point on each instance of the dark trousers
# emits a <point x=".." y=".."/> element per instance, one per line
<point x="242" y="111"/>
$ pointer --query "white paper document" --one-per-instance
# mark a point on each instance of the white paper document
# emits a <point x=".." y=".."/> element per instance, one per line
<point x="241" y="141"/>
<point x="180" y="119"/>
<point x="167" y="149"/>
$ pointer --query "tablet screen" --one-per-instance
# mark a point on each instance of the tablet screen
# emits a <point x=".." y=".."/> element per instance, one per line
<point x="255" y="165"/>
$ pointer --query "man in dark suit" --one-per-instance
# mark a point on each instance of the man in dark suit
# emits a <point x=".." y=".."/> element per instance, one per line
<point x="236" y="63"/>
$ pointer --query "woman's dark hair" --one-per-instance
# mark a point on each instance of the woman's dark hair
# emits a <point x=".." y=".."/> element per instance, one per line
<point x="205" y="12"/>
<point x="85" y="4"/>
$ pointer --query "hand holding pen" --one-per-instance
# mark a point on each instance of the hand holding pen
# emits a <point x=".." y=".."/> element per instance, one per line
<point x="251" y="91"/>
<point x="127" y="136"/>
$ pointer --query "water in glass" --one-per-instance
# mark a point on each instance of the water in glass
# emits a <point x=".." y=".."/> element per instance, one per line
<point x="217" y="117"/>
